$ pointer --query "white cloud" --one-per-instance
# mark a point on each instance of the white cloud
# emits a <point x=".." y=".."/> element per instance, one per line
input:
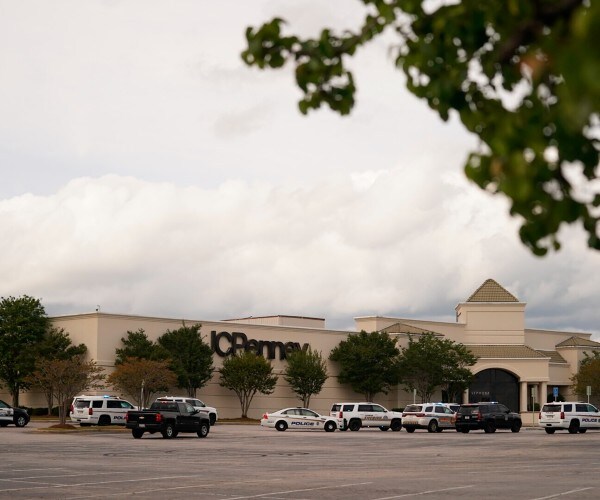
<point x="147" y="170"/>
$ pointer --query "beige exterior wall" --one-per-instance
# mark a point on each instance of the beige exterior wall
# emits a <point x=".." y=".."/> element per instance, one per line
<point x="478" y="324"/>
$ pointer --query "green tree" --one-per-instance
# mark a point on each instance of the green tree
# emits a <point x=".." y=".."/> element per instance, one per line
<point x="138" y="345"/>
<point x="23" y="323"/>
<point x="142" y="379"/>
<point x="431" y="362"/>
<point x="368" y="362"/>
<point x="306" y="372"/>
<point x="522" y="76"/>
<point x="588" y="375"/>
<point x="65" y="378"/>
<point x="56" y="344"/>
<point x="247" y="374"/>
<point x="191" y="358"/>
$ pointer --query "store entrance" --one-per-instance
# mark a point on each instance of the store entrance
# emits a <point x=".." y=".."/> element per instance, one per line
<point x="495" y="385"/>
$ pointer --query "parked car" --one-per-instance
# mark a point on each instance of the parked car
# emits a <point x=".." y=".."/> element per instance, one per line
<point x="169" y="418"/>
<point x="198" y="404"/>
<point x="299" y="418"/>
<point x="99" y="410"/>
<point x="571" y="416"/>
<point x="488" y="416"/>
<point x="10" y="415"/>
<point x="353" y="416"/>
<point x="435" y="417"/>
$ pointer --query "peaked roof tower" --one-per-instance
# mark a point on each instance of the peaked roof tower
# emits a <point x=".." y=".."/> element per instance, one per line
<point x="491" y="291"/>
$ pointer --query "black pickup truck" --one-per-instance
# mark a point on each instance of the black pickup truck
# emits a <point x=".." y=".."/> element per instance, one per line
<point x="168" y="418"/>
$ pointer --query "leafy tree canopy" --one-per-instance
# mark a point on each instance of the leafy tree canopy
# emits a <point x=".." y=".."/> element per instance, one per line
<point x="523" y="76"/>
<point x="432" y="362"/>
<point x="64" y="378"/>
<point x="368" y="362"/>
<point x="142" y="379"/>
<point x="306" y="372"/>
<point x="138" y="345"/>
<point x="588" y="375"/>
<point x="57" y="344"/>
<point x="23" y="324"/>
<point x="191" y="358"/>
<point x="247" y="374"/>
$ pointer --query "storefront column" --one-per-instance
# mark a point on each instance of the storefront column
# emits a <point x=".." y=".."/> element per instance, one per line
<point x="543" y="394"/>
<point x="523" y="397"/>
<point x="465" y="398"/>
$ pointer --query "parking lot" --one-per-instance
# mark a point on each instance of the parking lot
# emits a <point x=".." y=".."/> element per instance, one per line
<point x="247" y="461"/>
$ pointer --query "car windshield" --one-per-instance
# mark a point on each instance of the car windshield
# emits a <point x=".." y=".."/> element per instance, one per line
<point x="551" y="408"/>
<point x="82" y="403"/>
<point x="412" y="408"/>
<point x="468" y="410"/>
<point x="3" y="404"/>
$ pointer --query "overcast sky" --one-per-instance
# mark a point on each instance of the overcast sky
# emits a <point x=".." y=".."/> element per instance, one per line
<point x="147" y="170"/>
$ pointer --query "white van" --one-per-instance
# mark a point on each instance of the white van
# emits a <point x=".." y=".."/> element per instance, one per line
<point x="572" y="416"/>
<point x="99" y="410"/>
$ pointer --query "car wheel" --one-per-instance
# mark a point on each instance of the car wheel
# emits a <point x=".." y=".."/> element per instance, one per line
<point x="582" y="431"/>
<point x="410" y="430"/>
<point x="204" y="429"/>
<point x="169" y="432"/>
<point x="464" y="431"/>
<point x="433" y="426"/>
<point x="104" y="420"/>
<point x="354" y="425"/>
<point x="439" y="429"/>
<point x="137" y="433"/>
<point x="396" y="425"/>
<point x="281" y="426"/>
<point x="383" y="428"/>
<point x="489" y="427"/>
<point x="550" y="431"/>
<point x="516" y="426"/>
<point x="213" y="419"/>
<point x="3" y="424"/>
<point x="21" y="421"/>
<point x="574" y="427"/>
<point x="329" y="426"/>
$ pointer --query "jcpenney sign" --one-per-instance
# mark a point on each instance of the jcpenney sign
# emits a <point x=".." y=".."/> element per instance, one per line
<point x="226" y="344"/>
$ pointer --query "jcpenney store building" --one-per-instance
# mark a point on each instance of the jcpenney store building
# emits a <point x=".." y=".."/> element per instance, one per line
<point x="513" y="364"/>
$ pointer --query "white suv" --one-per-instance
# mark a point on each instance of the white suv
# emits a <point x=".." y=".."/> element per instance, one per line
<point x="572" y="416"/>
<point x="197" y="404"/>
<point x="353" y="416"/>
<point x="99" y="410"/>
<point x="435" y="417"/>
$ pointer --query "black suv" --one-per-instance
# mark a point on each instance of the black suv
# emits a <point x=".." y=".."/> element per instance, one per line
<point x="486" y="416"/>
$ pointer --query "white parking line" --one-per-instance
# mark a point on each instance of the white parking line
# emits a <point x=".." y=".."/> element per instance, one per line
<point x="564" y="493"/>
<point x="299" y="491"/>
<point x="427" y="492"/>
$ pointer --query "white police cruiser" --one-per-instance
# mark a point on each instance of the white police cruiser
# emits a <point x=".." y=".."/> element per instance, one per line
<point x="435" y="417"/>
<point x="99" y="410"/>
<point x="353" y="416"/>
<point x="199" y="405"/>
<point x="299" y="418"/>
<point x="570" y="415"/>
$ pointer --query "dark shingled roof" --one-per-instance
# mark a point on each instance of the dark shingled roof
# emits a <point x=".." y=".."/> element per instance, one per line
<point x="504" y="351"/>
<point x="403" y="328"/>
<point x="491" y="291"/>
<point x="578" y="342"/>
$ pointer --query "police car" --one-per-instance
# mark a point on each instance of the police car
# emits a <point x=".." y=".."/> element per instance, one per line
<point x="299" y="418"/>
<point x="354" y="416"/>
<point x="571" y="416"/>
<point x="99" y="410"/>
<point x="10" y="415"/>
<point x="435" y="417"/>
<point x="199" y="405"/>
